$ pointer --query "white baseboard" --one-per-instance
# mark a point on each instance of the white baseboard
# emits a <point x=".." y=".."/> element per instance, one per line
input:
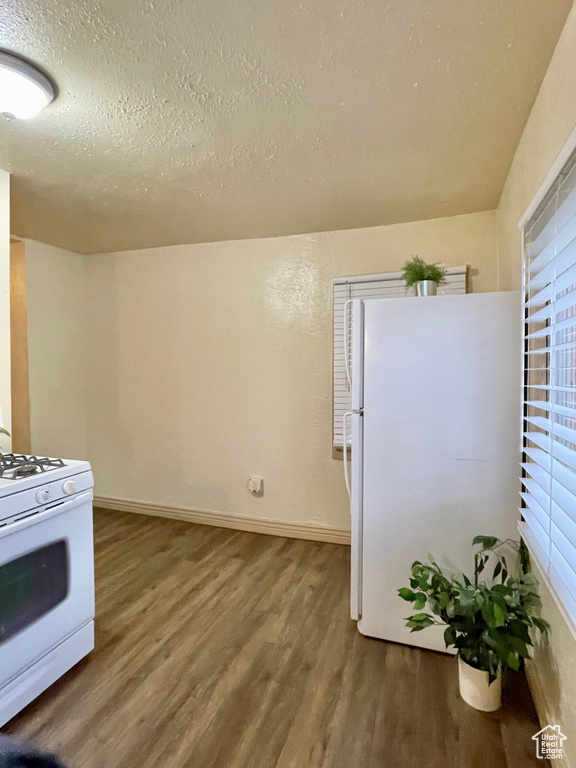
<point x="308" y="531"/>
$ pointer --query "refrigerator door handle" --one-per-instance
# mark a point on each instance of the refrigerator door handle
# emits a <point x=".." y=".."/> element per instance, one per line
<point x="345" y="446"/>
<point x="347" y="342"/>
<point x="356" y="503"/>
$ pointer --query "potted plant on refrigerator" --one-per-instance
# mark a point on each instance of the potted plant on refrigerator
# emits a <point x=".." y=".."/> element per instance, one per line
<point x="488" y="622"/>
<point x="425" y="278"/>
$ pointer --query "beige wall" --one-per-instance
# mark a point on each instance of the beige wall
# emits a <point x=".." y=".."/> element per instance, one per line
<point x="5" y="404"/>
<point x="57" y="349"/>
<point x="211" y="362"/>
<point x="553" y="117"/>
<point x="552" y="675"/>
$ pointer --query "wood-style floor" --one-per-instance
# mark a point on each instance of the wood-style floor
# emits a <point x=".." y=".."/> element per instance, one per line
<point x="222" y="649"/>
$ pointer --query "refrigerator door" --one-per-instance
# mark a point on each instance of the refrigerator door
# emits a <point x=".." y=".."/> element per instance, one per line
<point x="440" y="442"/>
<point x="356" y="459"/>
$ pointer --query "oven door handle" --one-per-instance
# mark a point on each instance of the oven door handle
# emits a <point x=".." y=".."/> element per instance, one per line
<point x="39" y="517"/>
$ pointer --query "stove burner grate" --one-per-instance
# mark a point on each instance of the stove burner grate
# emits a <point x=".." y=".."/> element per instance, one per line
<point x="15" y="466"/>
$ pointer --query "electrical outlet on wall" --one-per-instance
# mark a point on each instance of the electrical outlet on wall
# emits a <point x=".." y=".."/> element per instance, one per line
<point x="256" y="485"/>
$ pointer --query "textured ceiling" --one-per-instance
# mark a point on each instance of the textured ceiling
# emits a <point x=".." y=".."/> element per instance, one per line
<point x="181" y="122"/>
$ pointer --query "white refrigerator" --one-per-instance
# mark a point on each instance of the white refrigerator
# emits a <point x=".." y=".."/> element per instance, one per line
<point x="435" y="444"/>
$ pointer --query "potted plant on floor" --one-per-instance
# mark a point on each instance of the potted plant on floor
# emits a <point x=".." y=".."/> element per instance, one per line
<point x="425" y="278"/>
<point x="488" y="622"/>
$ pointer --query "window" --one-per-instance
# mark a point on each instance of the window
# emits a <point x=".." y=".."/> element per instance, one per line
<point x="31" y="585"/>
<point x="549" y="416"/>
<point x="384" y="286"/>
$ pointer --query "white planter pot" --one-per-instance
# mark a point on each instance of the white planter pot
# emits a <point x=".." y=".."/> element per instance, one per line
<point x="476" y="691"/>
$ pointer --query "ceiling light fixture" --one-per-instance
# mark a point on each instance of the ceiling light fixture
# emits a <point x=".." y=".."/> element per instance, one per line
<point x="24" y="90"/>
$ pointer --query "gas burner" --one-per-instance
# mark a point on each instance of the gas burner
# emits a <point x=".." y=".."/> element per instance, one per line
<point x="15" y="466"/>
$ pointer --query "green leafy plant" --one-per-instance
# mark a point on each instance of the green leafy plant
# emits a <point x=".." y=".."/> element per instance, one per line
<point x="416" y="269"/>
<point x="488" y="623"/>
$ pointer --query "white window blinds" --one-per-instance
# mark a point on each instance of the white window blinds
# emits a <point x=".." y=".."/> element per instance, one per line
<point x="549" y="418"/>
<point x="383" y="286"/>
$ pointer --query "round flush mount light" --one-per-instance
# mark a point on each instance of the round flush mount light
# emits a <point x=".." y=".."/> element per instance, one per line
<point x="24" y="90"/>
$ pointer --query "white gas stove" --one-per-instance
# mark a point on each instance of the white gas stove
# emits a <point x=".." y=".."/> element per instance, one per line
<point x="46" y="574"/>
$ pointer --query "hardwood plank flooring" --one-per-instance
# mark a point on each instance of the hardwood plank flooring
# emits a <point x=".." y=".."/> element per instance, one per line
<point x="222" y="649"/>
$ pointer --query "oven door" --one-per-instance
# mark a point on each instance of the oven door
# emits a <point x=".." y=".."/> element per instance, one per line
<point x="46" y="582"/>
